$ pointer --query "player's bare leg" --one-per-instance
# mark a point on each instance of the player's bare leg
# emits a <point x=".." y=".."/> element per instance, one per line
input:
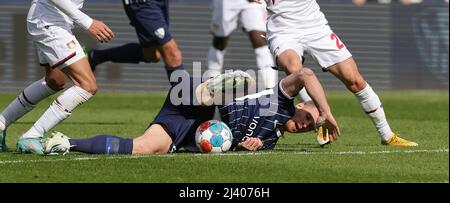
<point x="347" y="72"/>
<point x="154" y="140"/>
<point x="172" y="57"/>
<point x="291" y="62"/>
<point x="171" y="54"/>
<point x="84" y="88"/>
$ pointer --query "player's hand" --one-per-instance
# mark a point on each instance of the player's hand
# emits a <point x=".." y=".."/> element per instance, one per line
<point x="256" y="1"/>
<point x="100" y="31"/>
<point x="329" y="125"/>
<point x="251" y="144"/>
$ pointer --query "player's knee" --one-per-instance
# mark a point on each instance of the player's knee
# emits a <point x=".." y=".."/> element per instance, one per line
<point x="173" y="58"/>
<point x="92" y="89"/>
<point x="89" y="87"/>
<point x="290" y="62"/>
<point x="56" y="84"/>
<point x="304" y="73"/>
<point x="355" y="84"/>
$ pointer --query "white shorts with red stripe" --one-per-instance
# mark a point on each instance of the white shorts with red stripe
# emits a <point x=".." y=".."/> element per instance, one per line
<point x="324" y="46"/>
<point x="56" y="45"/>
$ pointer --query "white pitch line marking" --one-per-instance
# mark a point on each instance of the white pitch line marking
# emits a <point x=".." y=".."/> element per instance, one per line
<point x="229" y="154"/>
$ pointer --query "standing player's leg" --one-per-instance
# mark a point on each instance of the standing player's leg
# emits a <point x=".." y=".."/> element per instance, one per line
<point x="53" y="82"/>
<point x="128" y="53"/>
<point x="84" y="88"/>
<point x="288" y="55"/>
<point x="253" y="18"/>
<point x="140" y="14"/>
<point x="152" y="27"/>
<point x="347" y="72"/>
<point x="224" y="21"/>
<point x="331" y="53"/>
<point x="216" y="55"/>
<point x="65" y="52"/>
<point x="264" y="59"/>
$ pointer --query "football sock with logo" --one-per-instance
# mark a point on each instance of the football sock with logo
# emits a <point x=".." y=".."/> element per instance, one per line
<point x="215" y="61"/>
<point x="371" y="104"/>
<point x="128" y="53"/>
<point x="102" y="144"/>
<point x="58" y="111"/>
<point x="26" y="101"/>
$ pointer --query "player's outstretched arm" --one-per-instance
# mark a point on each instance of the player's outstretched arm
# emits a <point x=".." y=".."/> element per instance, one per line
<point x="96" y="28"/>
<point x="305" y="77"/>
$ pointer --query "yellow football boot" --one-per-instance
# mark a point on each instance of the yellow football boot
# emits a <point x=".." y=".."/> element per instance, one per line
<point x="399" y="142"/>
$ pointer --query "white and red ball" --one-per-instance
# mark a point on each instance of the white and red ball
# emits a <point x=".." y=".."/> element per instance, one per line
<point x="213" y="136"/>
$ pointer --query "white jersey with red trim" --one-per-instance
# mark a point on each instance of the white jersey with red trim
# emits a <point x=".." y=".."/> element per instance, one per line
<point x="44" y="12"/>
<point x="288" y="15"/>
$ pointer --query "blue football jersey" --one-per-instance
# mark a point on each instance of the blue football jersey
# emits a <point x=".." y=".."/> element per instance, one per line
<point x="259" y="115"/>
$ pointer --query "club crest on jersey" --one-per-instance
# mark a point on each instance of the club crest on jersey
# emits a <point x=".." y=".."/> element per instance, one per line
<point x="160" y="33"/>
<point x="71" y="45"/>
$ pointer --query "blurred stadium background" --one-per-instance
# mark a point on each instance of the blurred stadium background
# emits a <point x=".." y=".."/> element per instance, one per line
<point x="397" y="47"/>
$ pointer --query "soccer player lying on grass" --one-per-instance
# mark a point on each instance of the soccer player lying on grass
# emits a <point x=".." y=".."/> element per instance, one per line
<point x="256" y="120"/>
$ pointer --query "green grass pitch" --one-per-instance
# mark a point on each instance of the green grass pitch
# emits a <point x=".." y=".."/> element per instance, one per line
<point x="357" y="156"/>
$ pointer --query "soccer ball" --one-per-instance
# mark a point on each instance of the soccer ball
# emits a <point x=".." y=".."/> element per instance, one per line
<point x="213" y="136"/>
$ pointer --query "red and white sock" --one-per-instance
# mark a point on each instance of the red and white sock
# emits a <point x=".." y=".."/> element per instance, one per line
<point x="26" y="101"/>
<point x="371" y="104"/>
<point x="58" y="111"/>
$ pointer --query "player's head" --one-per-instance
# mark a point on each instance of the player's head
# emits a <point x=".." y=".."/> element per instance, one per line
<point x="304" y="119"/>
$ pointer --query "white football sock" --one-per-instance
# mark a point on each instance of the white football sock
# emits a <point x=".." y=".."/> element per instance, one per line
<point x="215" y="61"/>
<point x="26" y="101"/>
<point x="264" y="61"/>
<point x="304" y="96"/>
<point x="58" y="111"/>
<point x="372" y="106"/>
<point x="2" y="125"/>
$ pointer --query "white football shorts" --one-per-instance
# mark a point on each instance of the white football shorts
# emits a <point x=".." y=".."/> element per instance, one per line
<point x="325" y="46"/>
<point x="227" y="14"/>
<point x="56" y="45"/>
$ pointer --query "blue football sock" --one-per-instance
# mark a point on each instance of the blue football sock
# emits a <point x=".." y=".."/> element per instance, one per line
<point x="128" y="53"/>
<point x="170" y="70"/>
<point x="102" y="144"/>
